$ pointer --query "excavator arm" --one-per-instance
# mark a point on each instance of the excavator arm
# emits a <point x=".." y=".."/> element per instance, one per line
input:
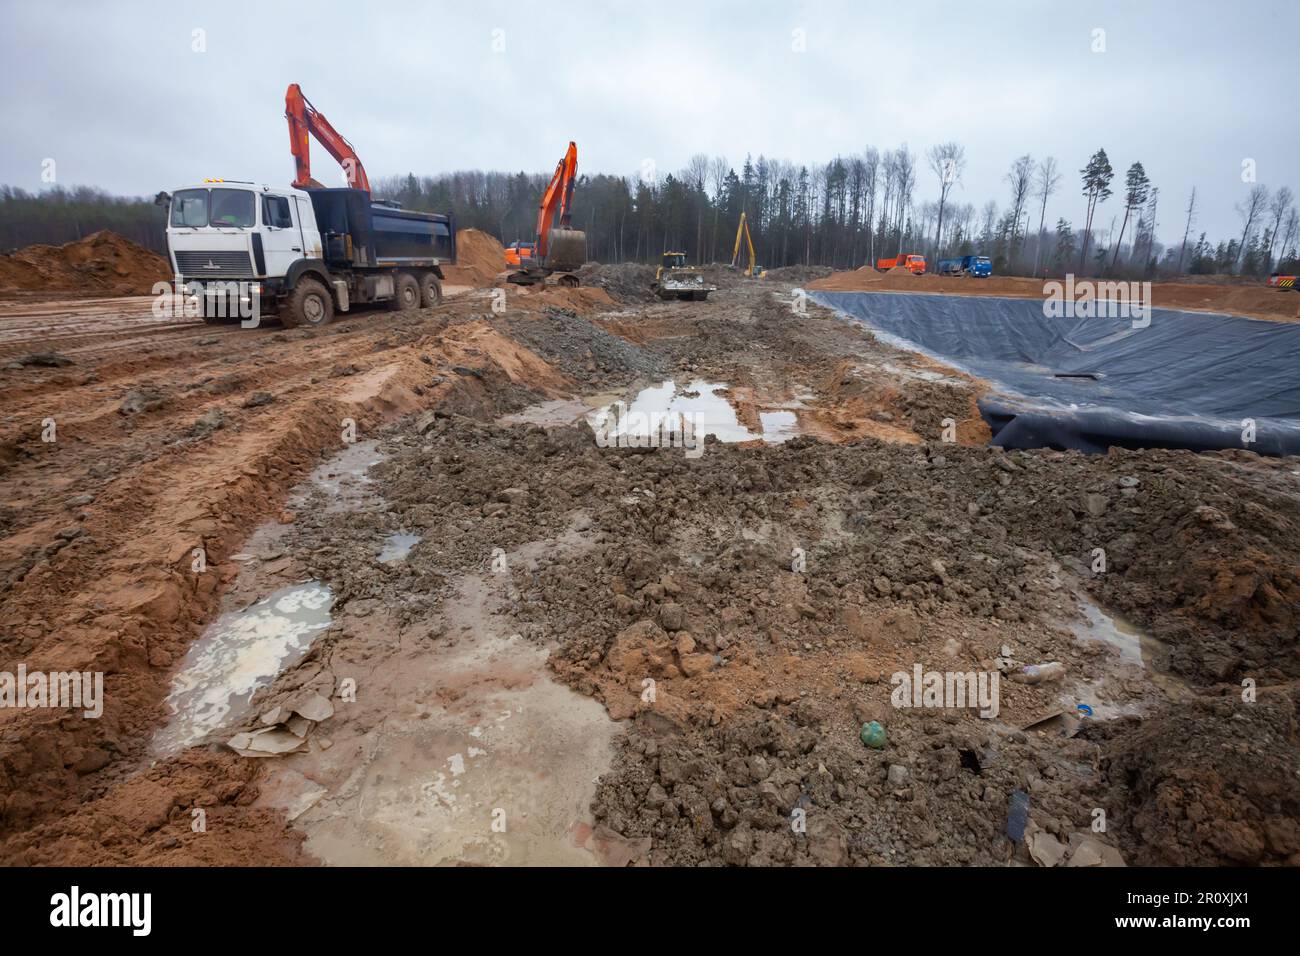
<point x="743" y="229"/>
<point x="558" y="197"/>
<point x="305" y="119"/>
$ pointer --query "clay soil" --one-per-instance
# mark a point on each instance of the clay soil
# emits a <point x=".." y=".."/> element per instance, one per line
<point x="577" y="577"/>
<point x="103" y="263"/>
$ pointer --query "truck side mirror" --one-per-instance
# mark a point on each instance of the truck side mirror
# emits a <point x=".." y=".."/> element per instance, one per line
<point x="163" y="199"/>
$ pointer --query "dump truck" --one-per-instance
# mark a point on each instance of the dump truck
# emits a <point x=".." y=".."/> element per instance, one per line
<point x="674" y="279"/>
<point x="912" y="262"/>
<point x="308" y="251"/>
<point x="303" y="254"/>
<point x="978" y="267"/>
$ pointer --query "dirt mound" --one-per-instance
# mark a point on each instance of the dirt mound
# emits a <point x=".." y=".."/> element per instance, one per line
<point x="624" y="281"/>
<point x="103" y="262"/>
<point x="1200" y="795"/>
<point x="480" y="258"/>
<point x="799" y="273"/>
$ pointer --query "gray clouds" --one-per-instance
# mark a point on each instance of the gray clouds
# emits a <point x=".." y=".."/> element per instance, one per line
<point x="116" y="95"/>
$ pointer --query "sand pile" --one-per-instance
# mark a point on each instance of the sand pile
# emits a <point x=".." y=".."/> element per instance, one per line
<point x="479" y="259"/>
<point x="103" y="262"/>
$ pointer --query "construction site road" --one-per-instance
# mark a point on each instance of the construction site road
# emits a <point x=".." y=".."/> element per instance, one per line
<point x="477" y="624"/>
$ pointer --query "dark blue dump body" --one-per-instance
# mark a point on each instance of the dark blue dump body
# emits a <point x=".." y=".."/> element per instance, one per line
<point x="381" y="235"/>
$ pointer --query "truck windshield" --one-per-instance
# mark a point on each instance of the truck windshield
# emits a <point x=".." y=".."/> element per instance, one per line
<point x="232" y="207"/>
<point x="190" y="208"/>
<point x="229" y="208"/>
<point x="982" y="260"/>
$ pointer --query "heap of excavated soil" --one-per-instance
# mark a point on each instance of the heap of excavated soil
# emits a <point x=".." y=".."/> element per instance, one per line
<point x="799" y="273"/>
<point x="1257" y="301"/>
<point x="480" y="258"/>
<point x="624" y="281"/>
<point x="103" y="262"/>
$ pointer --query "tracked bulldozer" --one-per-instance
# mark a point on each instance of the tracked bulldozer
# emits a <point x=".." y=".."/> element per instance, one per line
<point x="674" y="279"/>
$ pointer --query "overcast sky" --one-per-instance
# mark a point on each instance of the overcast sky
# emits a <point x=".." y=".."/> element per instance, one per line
<point x="117" y="95"/>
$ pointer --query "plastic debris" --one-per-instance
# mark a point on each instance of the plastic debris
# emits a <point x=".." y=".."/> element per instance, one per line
<point x="873" y="735"/>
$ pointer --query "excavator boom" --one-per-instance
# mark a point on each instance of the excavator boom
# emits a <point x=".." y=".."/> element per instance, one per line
<point x="304" y="121"/>
<point x="743" y="229"/>
<point x="558" y="197"/>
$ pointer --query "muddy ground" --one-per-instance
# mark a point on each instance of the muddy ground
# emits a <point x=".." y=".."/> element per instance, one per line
<point x="545" y="651"/>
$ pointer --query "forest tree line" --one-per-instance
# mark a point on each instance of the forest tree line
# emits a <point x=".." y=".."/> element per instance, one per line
<point x="848" y="212"/>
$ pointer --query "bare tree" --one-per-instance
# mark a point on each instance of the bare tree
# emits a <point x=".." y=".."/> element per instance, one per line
<point x="1046" y="181"/>
<point x="871" y="167"/>
<point x="948" y="162"/>
<point x="1187" y="230"/>
<point x="1292" y="228"/>
<point x="1250" y="210"/>
<point x="1279" y="207"/>
<point x="718" y="169"/>
<point x="1021" y="179"/>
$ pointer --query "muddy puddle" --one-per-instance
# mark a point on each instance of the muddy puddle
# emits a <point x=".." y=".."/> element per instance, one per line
<point x="240" y="653"/>
<point x="458" y="748"/>
<point x="706" y="406"/>
<point x="1134" y="677"/>
<point x="342" y="478"/>
<point x="397" y="546"/>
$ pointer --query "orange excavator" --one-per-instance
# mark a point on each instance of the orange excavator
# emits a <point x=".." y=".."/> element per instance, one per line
<point x="305" y="119"/>
<point x="557" y="248"/>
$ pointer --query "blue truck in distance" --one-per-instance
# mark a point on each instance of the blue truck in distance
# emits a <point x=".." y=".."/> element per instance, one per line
<point x="978" y="266"/>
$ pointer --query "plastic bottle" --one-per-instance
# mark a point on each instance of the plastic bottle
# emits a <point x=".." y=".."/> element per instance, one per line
<point x="1037" y="673"/>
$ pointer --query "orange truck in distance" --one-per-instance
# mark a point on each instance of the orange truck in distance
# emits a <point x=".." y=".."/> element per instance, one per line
<point x="912" y="263"/>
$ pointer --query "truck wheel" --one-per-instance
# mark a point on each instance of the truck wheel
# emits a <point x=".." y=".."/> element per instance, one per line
<point x="430" y="290"/>
<point x="407" y="298"/>
<point x="308" y="304"/>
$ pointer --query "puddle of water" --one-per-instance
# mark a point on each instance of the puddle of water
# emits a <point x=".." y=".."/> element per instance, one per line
<point x="558" y="412"/>
<point x="343" y="477"/>
<point x="397" y="547"/>
<point x="1134" y="645"/>
<point x="659" y="407"/>
<point x="664" y="406"/>
<point x="241" y="652"/>
<point x="779" y="426"/>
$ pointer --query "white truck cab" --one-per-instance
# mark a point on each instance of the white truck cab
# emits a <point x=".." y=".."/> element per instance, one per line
<point x="302" y="253"/>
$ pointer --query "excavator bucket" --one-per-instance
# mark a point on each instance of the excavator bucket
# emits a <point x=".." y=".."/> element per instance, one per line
<point x="567" y="250"/>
